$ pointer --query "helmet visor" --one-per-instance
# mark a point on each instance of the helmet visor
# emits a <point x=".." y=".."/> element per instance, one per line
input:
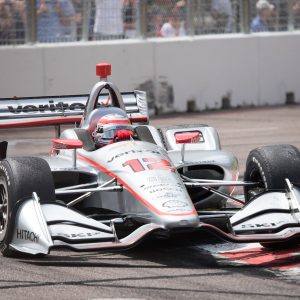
<point x="110" y="130"/>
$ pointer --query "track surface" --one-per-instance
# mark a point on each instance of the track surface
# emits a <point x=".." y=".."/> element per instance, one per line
<point x="196" y="267"/>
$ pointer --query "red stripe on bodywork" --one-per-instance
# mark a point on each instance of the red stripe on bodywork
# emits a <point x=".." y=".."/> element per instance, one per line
<point x="55" y="121"/>
<point x="117" y="121"/>
<point x="138" y="119"/>
<point x="136" y="195"/>
<point x="43" y="122"/>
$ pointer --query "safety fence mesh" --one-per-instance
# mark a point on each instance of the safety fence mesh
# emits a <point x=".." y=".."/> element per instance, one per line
<point x="51" y="21"/>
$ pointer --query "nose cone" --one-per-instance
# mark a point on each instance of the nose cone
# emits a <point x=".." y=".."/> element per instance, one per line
<point x="147" y="173"/>
<point x="179" y="222"/>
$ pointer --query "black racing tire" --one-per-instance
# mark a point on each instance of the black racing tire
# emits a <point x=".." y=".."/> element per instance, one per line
<point x="19" y="178"/>
<point x="270" y="166"/>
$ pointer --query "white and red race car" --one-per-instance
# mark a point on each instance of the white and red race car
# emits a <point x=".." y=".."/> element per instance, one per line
<point x="158" y="182"/>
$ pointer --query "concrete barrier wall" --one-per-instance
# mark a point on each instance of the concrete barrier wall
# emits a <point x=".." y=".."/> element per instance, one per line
<point x="241" y="69"/>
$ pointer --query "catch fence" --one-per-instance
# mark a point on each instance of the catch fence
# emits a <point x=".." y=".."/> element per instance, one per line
<point x="52" y="21"/>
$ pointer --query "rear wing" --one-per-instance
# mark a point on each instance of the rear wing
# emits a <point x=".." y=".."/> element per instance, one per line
<point x="58" y="110"/>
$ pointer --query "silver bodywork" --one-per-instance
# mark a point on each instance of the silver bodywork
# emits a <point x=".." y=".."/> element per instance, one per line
<point x="151" y="183"/>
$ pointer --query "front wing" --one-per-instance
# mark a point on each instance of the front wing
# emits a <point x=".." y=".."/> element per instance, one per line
<point x="39" y="227"/>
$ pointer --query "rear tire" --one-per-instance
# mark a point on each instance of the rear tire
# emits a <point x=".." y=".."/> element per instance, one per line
<point x="270" y="166"/>
<point x="19" y="178"/>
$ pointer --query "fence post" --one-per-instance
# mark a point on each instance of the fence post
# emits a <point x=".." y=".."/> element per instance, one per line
<point x="190" y="18"/>
<point x="291" y="20"/>
<point x="245" y="16"/>
<point x="31" y="24"/>
<point x="86" y="13"/>
<point x="143" y="18"/>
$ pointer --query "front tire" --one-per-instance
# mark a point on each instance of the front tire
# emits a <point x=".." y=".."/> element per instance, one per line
<point x="269" y="166"/>
<point x="19" y="178"/>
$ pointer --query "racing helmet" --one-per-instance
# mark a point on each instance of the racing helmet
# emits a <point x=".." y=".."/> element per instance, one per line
<point x="110" y="128"/>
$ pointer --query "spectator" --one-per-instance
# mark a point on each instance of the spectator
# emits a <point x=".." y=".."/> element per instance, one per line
<point x="173" y="27"/>
<point x="78" y="6"/>
<point x="182" y="9"/>
<point x="108" y="20"/>
<point x="264" y="12"/>
<point x="6" y="23"/>
<point x="155" y="23"/>
<point x="221" y="11"/>
<point x="296" y="7"/>
<point x="158" y="13"/>
<point x="286" y="16"/>
<point x="296" y="13"/>
<point x="68" y="20"/>
<point x="129" y="18"/>
<point x="18" y="10"/>
<point x="48" y="23"/>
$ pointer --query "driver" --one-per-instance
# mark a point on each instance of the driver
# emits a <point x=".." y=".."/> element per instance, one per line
<point x="112" y="128"/>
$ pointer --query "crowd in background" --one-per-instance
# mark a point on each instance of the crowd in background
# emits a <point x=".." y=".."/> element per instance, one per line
<point x="12" y="16"/>
<point x="62" y="20"/>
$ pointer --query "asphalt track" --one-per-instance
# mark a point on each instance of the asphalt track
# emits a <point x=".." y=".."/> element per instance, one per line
<point x="189" y="267"/>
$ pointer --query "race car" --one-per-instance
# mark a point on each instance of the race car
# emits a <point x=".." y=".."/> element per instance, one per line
<point x="112" y="179"/>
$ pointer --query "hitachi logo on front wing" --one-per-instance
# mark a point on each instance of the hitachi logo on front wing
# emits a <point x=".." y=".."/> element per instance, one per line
<point x="59" y="107"/>
<point x="26" y="235"/>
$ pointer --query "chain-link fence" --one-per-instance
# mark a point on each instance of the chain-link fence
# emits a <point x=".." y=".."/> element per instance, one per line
<point x="46" y="21"/>
<point x="276" y="15"/>
<point x="12" y="21"/>
<point x="179" y="18"/>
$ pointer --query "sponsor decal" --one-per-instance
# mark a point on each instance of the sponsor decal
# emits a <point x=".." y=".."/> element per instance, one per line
<point x="174" y="203"/>
<point x="163" y="187"/>
<point x="154" y="179"/>
<point x="206" y="162"/>
<point x="52" y="107"/>
<point x="79" y="235"/>
<point x="155" y="190"/>
<point x="169" y="195"/>
<point x="262" y="225"/>
<point x="26" y="235"/>
<point x="158" y="185"/>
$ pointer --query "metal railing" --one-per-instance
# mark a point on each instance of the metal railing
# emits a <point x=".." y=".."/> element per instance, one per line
<point x="52" y="21"/>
